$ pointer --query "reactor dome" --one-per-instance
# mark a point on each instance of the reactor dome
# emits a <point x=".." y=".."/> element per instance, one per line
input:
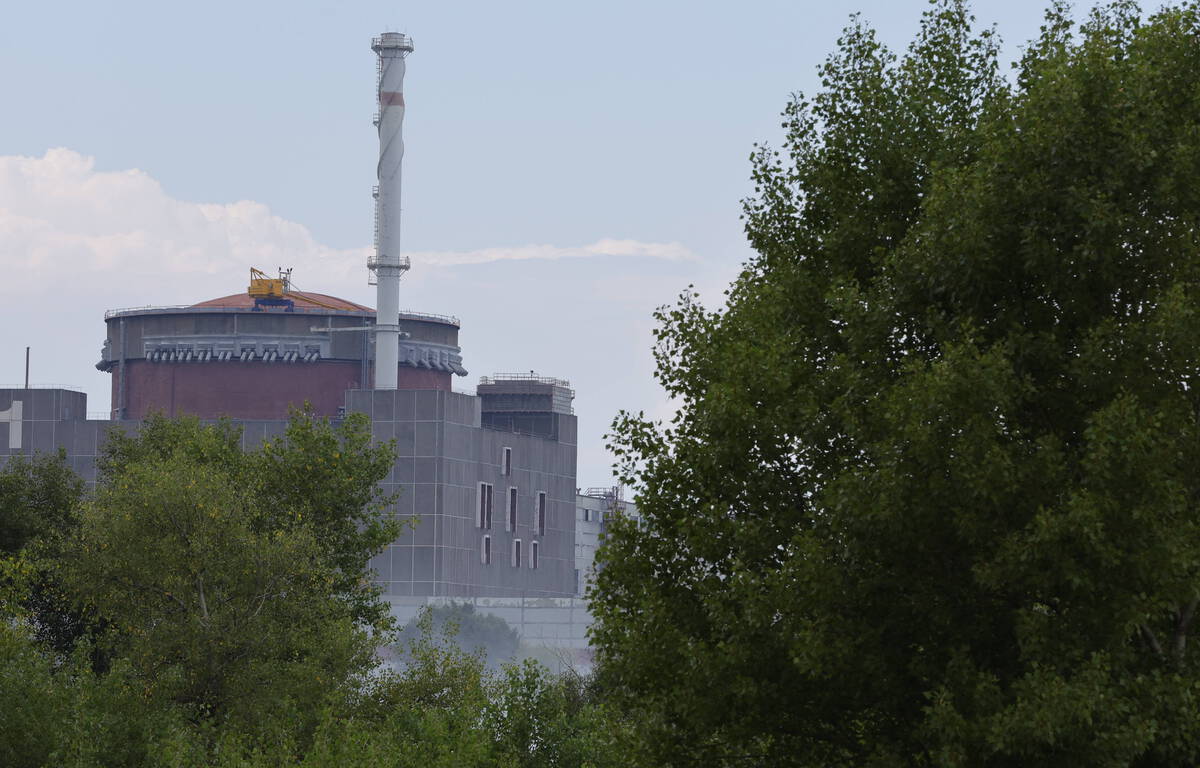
<point x="254" y="357"/>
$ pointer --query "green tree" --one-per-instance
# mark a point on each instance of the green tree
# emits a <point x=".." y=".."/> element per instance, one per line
<point x="540" y="720"/>
<point x="38" y="497"/>
<point x="40" y="500"/>
<point x="227" y="587"/>
<point x="318" y="476"/>
<point x="208" y="604"/>
<point x="328" y="479"/>
<point x="56" y="712"/>
<point x="443" y="707"/>
<point x="931" y="496"/>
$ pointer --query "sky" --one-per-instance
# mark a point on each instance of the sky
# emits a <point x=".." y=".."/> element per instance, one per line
<point x="569" y="166"/>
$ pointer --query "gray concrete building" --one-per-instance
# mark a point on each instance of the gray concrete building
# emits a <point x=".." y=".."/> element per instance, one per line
<point x="494" y="507"/>
<point x="595" y="509"/>
<point x="451" y="449"/>
<point x="488" y="479"/>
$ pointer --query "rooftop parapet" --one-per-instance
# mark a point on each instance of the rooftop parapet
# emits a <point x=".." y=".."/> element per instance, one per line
<point x="525" y="393"/>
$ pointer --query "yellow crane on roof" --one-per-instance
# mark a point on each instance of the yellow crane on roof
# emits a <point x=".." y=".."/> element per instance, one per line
<point x="277" y="291"/>
<point x="265" y="287"/>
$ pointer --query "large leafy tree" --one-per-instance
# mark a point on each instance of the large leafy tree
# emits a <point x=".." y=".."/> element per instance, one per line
<point x="234" y="581"/>
<point x="210" y="606"/>
<point x="317" y="476"/>
<point x="932" y="495"/>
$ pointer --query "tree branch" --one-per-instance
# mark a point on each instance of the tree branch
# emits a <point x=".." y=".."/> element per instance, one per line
<point x="1151" y="640"/>
<point x="203" y="603"/>
<point x="1181" y="629"/>
<point x="153" y="590"/>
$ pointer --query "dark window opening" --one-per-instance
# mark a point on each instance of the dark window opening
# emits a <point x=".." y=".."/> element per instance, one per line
<point x="484" y="518"/>
<point x="488" y="519"/>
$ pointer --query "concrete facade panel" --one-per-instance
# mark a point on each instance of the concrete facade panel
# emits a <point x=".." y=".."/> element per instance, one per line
<point x="381" y="564"/>
<point x="384" y="408"/>
<point x="402" y="563"/>
<point x="427" y="438"/>
<point x="406" y="438"/>
<point x="405" y="469"/>
<point x="429" y="405"/>
<point x="423" y="561"/>
<point x="424" y="530"/>
<point x="425" y="498"/>
<point x="382" y="431"/>
<point x="427" y="468"/>
<point x="442" y="459"/>
<point x="405" y="405"/>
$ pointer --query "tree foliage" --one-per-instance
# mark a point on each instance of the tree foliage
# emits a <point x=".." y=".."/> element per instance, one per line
<point x="39" y="496"/>
<point x="443" y="708"/>
<point x="57" y="711"/>
<point x="931" y="493"/>
<point x="40" y="502"/>
<point x="317" y="477"/>
<point x="210" y="603"/>
<point x="231" y="620"/>
<point x="234" y="581"/>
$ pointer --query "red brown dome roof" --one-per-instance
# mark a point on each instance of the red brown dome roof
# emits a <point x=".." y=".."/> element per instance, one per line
<point x="303" y="299"/>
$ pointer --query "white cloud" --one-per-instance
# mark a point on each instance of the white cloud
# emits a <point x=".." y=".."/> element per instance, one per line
<point x="601" y="248"/>
<point x="59" y="214"/>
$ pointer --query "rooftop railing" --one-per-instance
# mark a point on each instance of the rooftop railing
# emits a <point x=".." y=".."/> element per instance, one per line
<point x="497" y="378"/>
<point x="71" y="387"/>
<point x="187" y="308"/>
<point x="405" y="314"/>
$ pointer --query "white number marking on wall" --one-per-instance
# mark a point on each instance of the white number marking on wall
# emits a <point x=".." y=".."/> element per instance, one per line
<point x="12" y="415"/>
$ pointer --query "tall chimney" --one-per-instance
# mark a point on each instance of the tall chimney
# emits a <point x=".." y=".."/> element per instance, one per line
<point x="389" y="265"/>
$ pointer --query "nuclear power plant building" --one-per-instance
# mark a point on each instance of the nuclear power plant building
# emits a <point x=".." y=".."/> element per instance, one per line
<point x="489" y="478"/>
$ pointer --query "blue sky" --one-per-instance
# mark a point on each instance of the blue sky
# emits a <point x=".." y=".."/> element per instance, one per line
<point x="568" y="167"/>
